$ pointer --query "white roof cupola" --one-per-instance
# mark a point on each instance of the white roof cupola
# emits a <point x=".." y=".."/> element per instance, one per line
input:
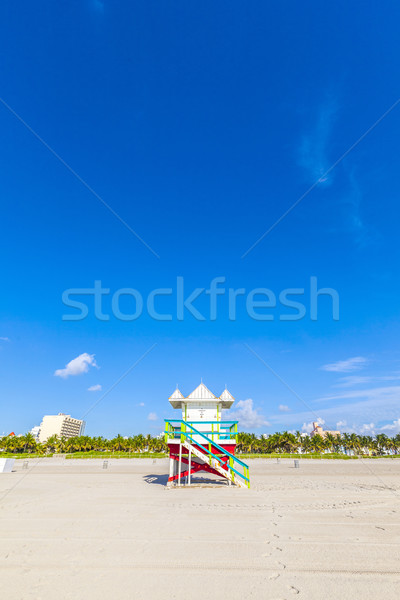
<point x="202" y="396"/>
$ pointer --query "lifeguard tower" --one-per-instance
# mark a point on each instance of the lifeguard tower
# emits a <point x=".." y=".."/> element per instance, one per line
<point x="201" y="441"/>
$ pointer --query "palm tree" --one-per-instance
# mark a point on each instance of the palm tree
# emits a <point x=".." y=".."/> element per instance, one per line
<point x="12" y="444"/>
<point x="317" y="443"/>
<point x="382" y="442"/>
<point x="140" y="442"/>
<point x="288" y="442"/>
<point x="241" y="442"/>
<point x="51" y="443"/>
<point x="306" y="444"/>
<point x="273" y="442"/>
<point x="118" y="443"/>
<point x="397" y="443"/>
<point x="330" y="441"/>
<point x="29" y="443"/>
<point x="98" y="443"/>
<point x="355" y="443"/>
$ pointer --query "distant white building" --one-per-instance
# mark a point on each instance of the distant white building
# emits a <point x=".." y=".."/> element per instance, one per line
<point x="61" y="425"/>
<point x="35" y="432"/>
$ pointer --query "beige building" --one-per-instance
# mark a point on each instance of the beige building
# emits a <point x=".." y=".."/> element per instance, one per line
<point x="319" y="431"/>
<point x="61" y="425"/>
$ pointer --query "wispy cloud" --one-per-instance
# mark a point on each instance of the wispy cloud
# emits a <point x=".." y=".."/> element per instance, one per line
<point x="4" y="339"/>
<point x="77" y="366"/>
<point x="95" y="388"/>
<point x="152" y="416"/>
<point x="140" y="404"/>
<point x="353" y="380"/>
<point x="374" y="393"/>
<point x="313" y="151"/>
<point x="346" y="366"/>
<point x="247" y="415"/>
<point x="315" y="158"/>
<point x="283" y="408"/>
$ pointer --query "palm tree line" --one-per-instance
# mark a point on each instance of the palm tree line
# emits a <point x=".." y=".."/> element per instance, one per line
<point x="247" y="443"/>
<point x="135" y="444"/>
<point x="346" y="443"/>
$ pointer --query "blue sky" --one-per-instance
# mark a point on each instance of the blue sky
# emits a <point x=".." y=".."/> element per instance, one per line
<point x="200" y="125"/>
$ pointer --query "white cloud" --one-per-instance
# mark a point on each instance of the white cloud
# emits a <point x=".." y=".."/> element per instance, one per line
<point x="392" y="427"/>
<point x="313" y="154"/>
<point x="373" y="429"/>
<point x="283" y="408"/>
<point x="140" y="404"/>
<point x="4" y="339"/>
<point x="345" y="366"/>
<point x="152" y="416"/>
<point x="308" y="427"/>
<point x="340" y="424"/>
<point x="94" y="388"/>
<point x="367" y="429"/>
<point x="77" y="366"/>
<point x="247" y="415"/>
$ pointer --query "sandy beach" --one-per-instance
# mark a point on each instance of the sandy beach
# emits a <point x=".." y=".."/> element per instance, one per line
<point x="71" y="529"/>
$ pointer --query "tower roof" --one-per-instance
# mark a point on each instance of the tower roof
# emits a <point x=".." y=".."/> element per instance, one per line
<point x="176" y="395"/>
<point x="226" y="395"/>
<point x="201" y="394"/>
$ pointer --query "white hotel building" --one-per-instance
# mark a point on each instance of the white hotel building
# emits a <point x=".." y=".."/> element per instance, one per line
<point x="61" y="425"/>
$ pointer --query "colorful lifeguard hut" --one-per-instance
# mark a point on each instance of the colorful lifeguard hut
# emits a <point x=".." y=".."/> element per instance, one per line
<point x="201" y="441"/>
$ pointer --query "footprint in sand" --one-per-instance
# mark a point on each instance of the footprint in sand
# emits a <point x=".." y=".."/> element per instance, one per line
<point x="293" y="589"/>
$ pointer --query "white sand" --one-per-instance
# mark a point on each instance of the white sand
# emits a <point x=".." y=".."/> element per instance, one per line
<point x="330" y="529"/>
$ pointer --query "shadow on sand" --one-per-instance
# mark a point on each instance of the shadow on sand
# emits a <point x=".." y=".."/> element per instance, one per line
<point x="163" y="479"/>
<point x="156" y="479"/>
